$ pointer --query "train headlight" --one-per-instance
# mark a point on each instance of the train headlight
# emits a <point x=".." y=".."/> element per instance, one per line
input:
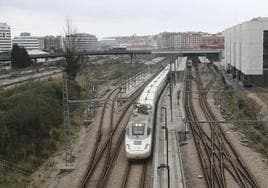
<point x="146" y="146"/>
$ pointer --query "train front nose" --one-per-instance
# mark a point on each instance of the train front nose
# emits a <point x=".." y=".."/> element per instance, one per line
<point x="138" y="152"/>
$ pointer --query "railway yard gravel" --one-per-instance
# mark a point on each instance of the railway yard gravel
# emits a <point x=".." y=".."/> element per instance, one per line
<point x="49" y="174"/>
<point x="256" y="163"/>
<point x="192" y="168"/>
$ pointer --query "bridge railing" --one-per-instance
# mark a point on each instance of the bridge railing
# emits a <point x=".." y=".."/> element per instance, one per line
<point x="123" y="52"/>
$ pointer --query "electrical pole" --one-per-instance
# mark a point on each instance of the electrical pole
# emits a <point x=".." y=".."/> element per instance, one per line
<point x="170" y="88"/>
<point x="236" y="103"/>
<point x="66" y="120"/>
<point x="175" y="71"/>
<point x="88" y="93"/>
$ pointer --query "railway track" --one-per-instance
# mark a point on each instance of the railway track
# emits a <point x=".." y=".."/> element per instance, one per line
<point x="221" y="163"/>
<point x="132" y="170"/>
<point x="107" y="147"/>
<point x="27" y="78"/>
<point x="101" y="142"/>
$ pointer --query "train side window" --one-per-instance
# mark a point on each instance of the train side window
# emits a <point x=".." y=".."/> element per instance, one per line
<point x="127" y="131"/>
<point x="149" y="130"/>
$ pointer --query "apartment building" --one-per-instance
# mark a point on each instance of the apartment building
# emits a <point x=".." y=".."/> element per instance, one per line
<point x="82" y="41"/>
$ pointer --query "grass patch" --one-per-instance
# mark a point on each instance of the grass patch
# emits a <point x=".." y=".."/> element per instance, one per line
<point x="255" y="132"/>
<point x="31" y="129"/>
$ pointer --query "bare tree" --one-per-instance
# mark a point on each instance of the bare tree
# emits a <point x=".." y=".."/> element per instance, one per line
<point x="71" y="50"/>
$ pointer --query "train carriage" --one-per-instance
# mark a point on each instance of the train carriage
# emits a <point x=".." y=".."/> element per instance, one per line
<point x="139" y="138"/>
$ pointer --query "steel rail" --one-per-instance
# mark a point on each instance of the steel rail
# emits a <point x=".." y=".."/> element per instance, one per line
<point x="143" y="175"/>
<point x="190" y="116"/>
<point x="248" y="178"/>
<point x="125" y="178"/>
<point x="91" y="161"/>
<point x="97" y="156"/>
<point x="109" y="147"/>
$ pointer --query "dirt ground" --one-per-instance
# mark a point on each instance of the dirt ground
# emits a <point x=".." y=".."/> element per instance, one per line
<point x="256" y="163"/>
<point x="50" y="175"/>
<point x="194" y="176"/>
<point x="261" y="100"/>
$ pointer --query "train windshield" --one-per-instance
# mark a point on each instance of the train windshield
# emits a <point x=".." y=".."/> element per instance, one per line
<point x="138" y="129"/>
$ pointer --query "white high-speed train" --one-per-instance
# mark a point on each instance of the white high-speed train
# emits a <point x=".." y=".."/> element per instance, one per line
<point x="138" y="138"/>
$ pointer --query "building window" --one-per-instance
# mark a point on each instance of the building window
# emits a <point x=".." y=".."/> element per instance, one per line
<point x="265" y="49"/>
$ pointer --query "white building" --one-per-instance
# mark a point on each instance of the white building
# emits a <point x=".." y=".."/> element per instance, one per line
<point x="41" y="41"/>
<point x="168" y="40"/>
<point x="5" y="37"/>
<point x="82" y="41"/>
<point x="27" y="41"/>
<point x="246" y="47"/>
<point x="107" y="43"/>
<point x="192" y="40"/>
<point x="178" y="41"/>
<point x="87" y="42"/>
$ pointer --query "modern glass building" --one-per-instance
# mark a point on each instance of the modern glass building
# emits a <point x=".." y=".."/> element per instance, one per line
<point x="27" y="41"/>
<point x="82" y="42"/>
<point x="5" y="38"/>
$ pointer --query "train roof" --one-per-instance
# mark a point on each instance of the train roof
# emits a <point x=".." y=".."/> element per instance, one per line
<point x="147" y="99"/>
<point x="150" y="89"/>
<point x="148" y="95"/>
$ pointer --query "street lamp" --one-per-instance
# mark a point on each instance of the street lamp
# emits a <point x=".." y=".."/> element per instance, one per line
<point x="170" y="88"/>
<point x="166" y="128"/>
<point x="159" y="172"/>
<point x="185" y="129"/>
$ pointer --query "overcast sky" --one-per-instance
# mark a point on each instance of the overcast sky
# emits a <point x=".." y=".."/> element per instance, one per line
<point x="126" y="17"/>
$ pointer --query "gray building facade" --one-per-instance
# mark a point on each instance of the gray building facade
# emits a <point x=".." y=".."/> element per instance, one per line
<point x="82" y="42"/>
<point x="5" y="37"/>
